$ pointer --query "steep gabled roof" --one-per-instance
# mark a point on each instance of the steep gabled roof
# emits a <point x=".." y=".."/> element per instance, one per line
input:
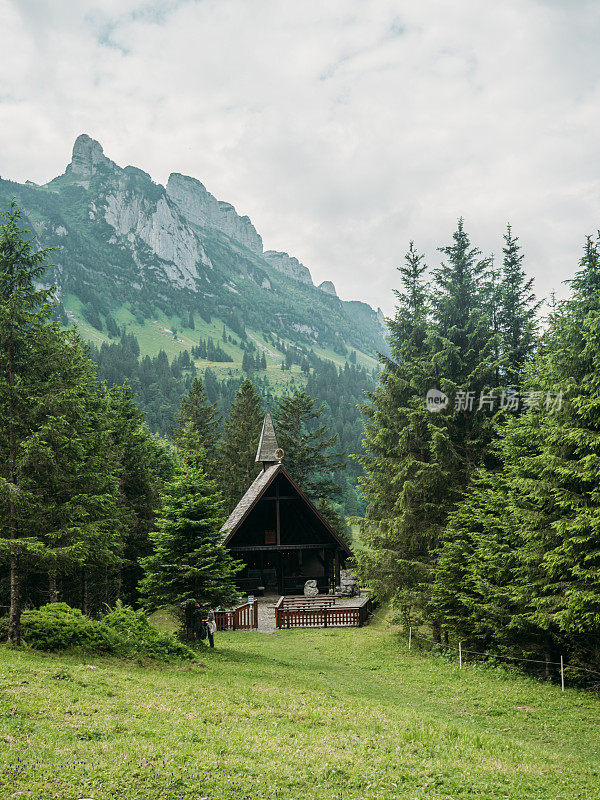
<point x="267" y="446"/>
<point x="256" y="490"/>
<point x="259" y="486"/>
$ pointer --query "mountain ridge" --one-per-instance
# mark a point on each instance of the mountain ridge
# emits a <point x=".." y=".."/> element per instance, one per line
<point x="121" y="238"/>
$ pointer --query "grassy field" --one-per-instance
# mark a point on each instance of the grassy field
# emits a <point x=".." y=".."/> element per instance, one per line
<point x="334" y="715"/>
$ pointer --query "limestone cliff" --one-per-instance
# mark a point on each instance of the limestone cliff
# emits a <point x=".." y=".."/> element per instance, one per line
<point x="288" y="265"/>
<point x="199" y="207"/>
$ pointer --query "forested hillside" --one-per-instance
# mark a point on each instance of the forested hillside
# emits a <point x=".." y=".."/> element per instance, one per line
<point x="168" y="282"/>
<point x="483" y="516"/>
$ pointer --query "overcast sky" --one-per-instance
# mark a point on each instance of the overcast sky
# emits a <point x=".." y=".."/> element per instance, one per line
<point x="343" y="128"/>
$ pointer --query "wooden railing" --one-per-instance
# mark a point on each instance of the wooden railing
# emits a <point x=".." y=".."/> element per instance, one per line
<point x="315" y="615"/>
<point x="242" y="618"/>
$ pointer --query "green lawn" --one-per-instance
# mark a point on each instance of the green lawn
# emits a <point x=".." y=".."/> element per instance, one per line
<point x="334" y="715"/>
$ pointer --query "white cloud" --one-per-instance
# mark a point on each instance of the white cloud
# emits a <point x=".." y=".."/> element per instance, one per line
<point x="343" y="129"/>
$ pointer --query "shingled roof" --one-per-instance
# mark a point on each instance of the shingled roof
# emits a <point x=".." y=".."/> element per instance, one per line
<point x="260" y="483"/>
<point x="257" y="489"/>
<point x="267" y="446"/>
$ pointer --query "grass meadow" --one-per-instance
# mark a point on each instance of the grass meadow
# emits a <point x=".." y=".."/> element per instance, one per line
<point x="329" y="714"/>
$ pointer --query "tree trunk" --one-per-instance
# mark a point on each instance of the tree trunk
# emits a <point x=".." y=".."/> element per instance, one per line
<point x="189" y="621"/>
<point x="14" y="621"/>
<point x="548" y="670"/>
<point x="84" y="592"/>
<point x="52" y="587"/>
<point x="436" y="632"/>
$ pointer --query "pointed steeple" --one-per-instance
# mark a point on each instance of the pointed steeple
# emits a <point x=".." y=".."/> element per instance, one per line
<point x="268" y="450"/>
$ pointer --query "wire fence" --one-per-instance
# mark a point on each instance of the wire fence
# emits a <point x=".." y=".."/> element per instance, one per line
<point x="487" y="656"/>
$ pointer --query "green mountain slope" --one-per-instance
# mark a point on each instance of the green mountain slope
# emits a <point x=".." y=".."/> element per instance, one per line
<point x="128" y="246"/>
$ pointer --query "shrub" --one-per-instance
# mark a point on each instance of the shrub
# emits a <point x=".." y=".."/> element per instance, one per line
<point x="122" y="632"/>
<point x="57" y="626"/>
<point x="138" y="637"/>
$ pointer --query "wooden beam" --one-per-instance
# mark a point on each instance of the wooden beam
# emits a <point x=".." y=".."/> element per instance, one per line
<point x="277" y="514"/>
<point x="275" y="547"/>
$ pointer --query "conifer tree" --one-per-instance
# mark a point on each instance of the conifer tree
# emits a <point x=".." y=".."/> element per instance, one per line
<point x="308" y="446"/>
<point x="189" y="564"/>
<point x="402" y="480"/>
<point x="146" y="463"/>
<point x="237" y="467"/>
<point x="58" y="478"/>
<point x="205" y="420"/>
<point x="518" y="313"/>
<point x="417" y="464"/>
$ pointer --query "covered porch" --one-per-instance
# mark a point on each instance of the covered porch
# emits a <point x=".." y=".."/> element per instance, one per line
<point x="285" y="569"/>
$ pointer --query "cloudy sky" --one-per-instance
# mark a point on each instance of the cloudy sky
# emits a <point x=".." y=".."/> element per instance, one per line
<point x="343" y="128"/>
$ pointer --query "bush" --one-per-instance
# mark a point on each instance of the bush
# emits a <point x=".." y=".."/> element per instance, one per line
<point x="122" y="632"/>
<point x="138" y="637"/>
<point x="57" y="626"/>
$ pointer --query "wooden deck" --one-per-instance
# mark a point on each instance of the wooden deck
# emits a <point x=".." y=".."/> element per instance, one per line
<point x="322" y="611"/>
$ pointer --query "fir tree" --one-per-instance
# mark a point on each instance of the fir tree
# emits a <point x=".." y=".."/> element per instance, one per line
<point x="240" y="441"/>
<point x="402" y="481"/>
<point x="58" y="476"/>
<point x="205" y="419"/>
<point x="189" y="564"/>
<point x="308" y="445"/>
<point x="518" y="313"/>
<point x="146" y="464"/>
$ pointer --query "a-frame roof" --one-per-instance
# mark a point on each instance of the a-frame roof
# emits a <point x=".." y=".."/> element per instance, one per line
<point x="267" y="446"/>
<point x="260" y="485"/>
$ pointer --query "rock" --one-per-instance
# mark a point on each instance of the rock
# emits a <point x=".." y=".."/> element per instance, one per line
<point x="87" y="157"/>
<point x="348" y="583"/>
<point x="311" y="589"/>
<point x="328" y="288"/>
<point x="199" y="207"/>
<point x="288" y="265"/>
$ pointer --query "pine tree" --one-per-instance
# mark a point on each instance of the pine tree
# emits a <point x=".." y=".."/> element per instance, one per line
<point x="58" y="478"/>
<point x="309" y="445"/>
<point x="518" y="313"/>
<point x="205" y="420"/>
<point x="237" y="467"/>
<point x="418" y="464"/>
<point x="520" y="565"/>
<point x="146" y="463"/>
<point x="189" y="564"/>
<point x="402" y="481"/>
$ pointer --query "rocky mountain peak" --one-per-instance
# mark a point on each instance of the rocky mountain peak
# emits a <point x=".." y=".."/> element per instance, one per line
<point x="87" y="156"/>
<point x="328" y="288"/>
<point x="199" y="207"/>
<point x="288" y="265"/>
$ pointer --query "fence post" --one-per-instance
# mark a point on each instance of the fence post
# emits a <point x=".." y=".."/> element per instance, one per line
<point x="562" y="674"/>
<point x="409" y="638"/>
<point x="460" y="655"/>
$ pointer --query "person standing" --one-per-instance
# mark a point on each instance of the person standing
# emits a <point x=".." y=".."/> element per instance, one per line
<point x="211" y="627"/>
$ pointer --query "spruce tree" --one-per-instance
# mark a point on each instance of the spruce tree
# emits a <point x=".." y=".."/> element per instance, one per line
<point x="146" y="463"/>
<point x="308" y="445"/>
<point x="417" y="463"/>
<point x="402" y="480"/>
<point x="205" y="419"/>
<point x="237" y="467"/>
<point x="189" y="564"/>
<point x="59" y="491"/>
<point x="518" y="313"/>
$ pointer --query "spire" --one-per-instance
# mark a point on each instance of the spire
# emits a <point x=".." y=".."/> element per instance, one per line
<point x="268" y="450"/>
